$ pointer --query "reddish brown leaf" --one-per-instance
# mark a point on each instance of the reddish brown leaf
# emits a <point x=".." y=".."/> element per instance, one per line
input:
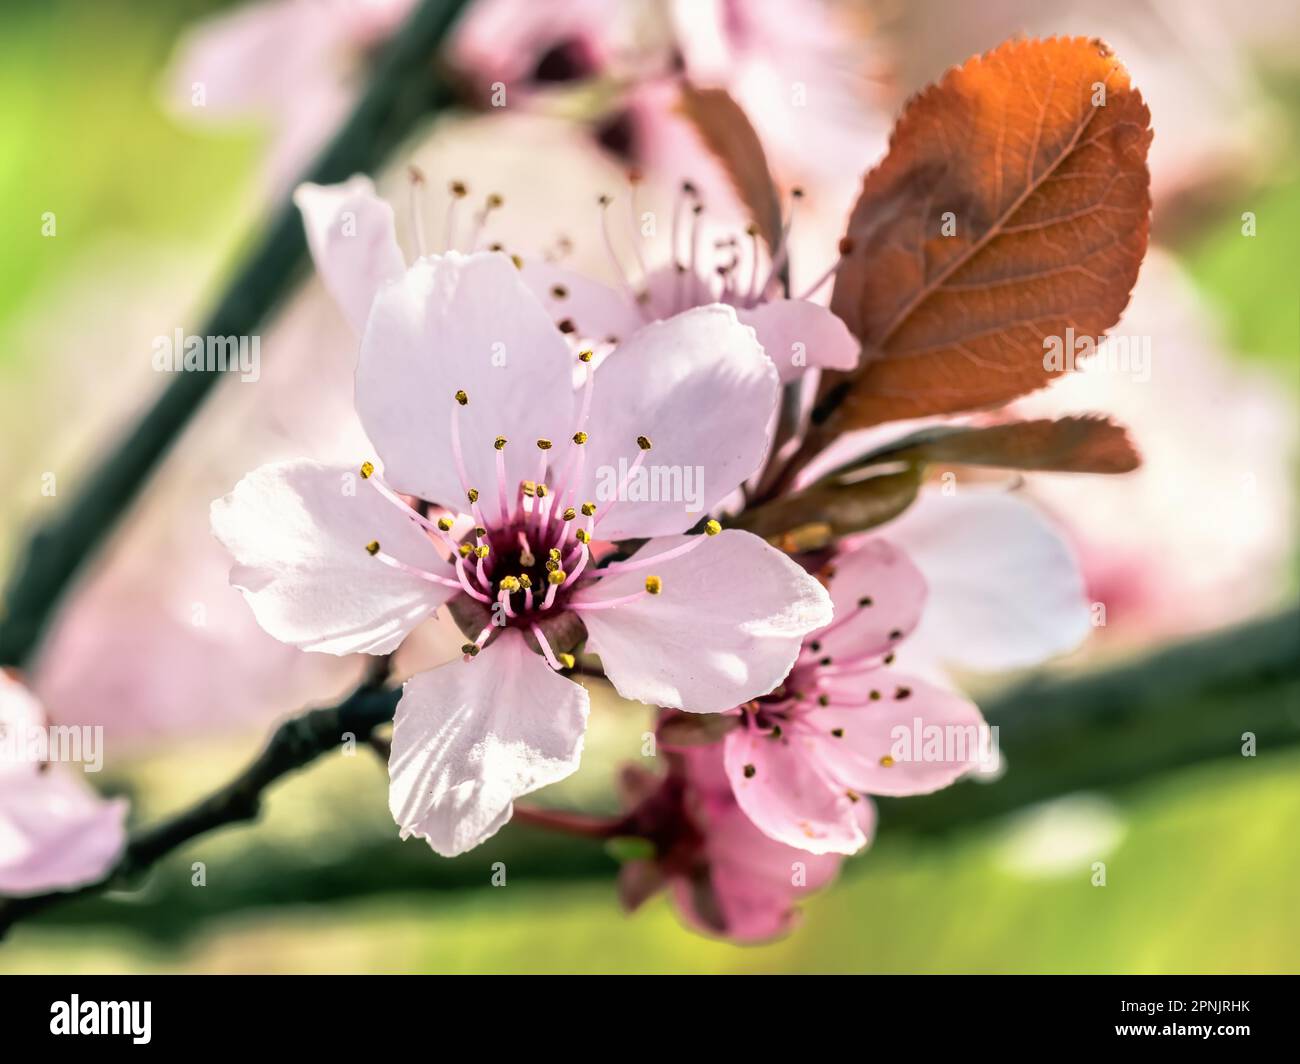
<point x="1049" y="198"/>
<point x="1078" y="444"/>
<point x="726" y="131"/>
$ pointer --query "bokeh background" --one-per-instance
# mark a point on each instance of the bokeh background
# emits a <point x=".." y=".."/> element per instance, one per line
<point x="152" y="214"/>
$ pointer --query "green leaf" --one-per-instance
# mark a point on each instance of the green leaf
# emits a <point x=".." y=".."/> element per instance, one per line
<point x="831" y="508"/>
<point x="625" y="848"/>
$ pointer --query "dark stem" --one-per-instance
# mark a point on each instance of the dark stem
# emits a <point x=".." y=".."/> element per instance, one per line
<point x="1182" y="705"/>
<point x="780" y="479"/>
<point x="405" y="89"/>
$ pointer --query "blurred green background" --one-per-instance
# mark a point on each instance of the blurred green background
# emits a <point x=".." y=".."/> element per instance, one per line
<point x="1202" y="864"/>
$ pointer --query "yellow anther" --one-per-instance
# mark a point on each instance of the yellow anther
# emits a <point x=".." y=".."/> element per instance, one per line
<point x="525" y="581"/>
<point x="495" y="200"/>
<point x="588" y="509"/>
<point x="580" y="438"/>
<point x="510" y="584"/>
<point x="543" y="445"/>
<point x="644" y="442"/>
<point x="567" y="660"/>
<point x="556" y="576"/>
<point x="653" y="584"/>
<point x="469" y="648"/>
<point x="472" y="494"/>
<point x="554" y="554"/>
<point x="541" y="491"/>
<point x="465" y="550"/>
<point x="480" y="531"/>
<point x="499" y="443"/>
<point x="530" y="487"/>
<point x="459" y="189"/>
<point x="372" y="548"/>
<point x="519" y="263"/>
<point x="582" y="536"/>
<point x="462" y="398"/>
<point x="444" y="523"/>
<point x="711" y="527"/>
<point x="367" y="468"/>
<point x="481" y="551"/>
<point x="886" y="761"/>
<point x="569" y="514"/>
<point x="585" y="356"/>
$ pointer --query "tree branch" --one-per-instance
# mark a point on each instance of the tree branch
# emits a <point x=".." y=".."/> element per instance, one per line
<point x="1109" y="729"/>
<point x="405" y="89"/>
<point x="1184" y="704"/>
<point x="295" y="743"/>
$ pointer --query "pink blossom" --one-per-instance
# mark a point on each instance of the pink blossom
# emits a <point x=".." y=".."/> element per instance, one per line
<point x="1007" y="589"/>
<point x="527" y="46"/>
<point x="705" y="262"/>
<point x="725" y="877"/>
<point x="801" y="73"/>
<point x="466" y="390"/>
<point x="55" y="832"/>
<point x="1200" y="536"/>
<point x="297" y="65"/>
<point x="841" y="727"/>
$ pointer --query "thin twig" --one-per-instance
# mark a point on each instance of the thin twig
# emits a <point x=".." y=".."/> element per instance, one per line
<point x="295" y="743"/>
<point x="1182" y="705"/>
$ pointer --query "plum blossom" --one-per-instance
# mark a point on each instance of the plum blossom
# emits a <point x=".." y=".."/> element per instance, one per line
<point x="1198" y="537"/>
<point x="297" y="65"/>
<point x="55" y="832"/>
<point x="1007" y="589"/>
<point x="724" y="876"/>
<point x="844" y="724"/>
<point x="707" y="262"/>
<point x="788" y="62"/>
<point x="351" y="232"/>
<point x="466" y="390"/>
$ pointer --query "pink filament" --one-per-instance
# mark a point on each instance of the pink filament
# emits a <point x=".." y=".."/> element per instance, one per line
<point x="547" y="653"/>
<point x="608" y="604"/>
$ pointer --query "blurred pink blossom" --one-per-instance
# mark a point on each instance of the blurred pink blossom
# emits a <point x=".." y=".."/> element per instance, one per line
<point x="295" y="65"/>
<point x="725" y="877"/>
<point x="56" y="833"/>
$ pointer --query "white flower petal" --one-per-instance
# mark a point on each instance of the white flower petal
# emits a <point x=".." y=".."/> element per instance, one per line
<point x="598" y="313"/>
<point x="353" y="242"/>
<point x="470" y="737"/>
<point x="298" y="532"/>
<point x="1005" y="588"/>
<point x="453" y="323"/>
<point x="798" y="335"/>
<point x="700" y="388"/>
<point x="726" y="627"/>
